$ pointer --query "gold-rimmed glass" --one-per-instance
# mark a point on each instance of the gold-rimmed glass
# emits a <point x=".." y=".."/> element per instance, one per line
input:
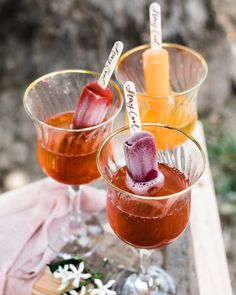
<point x="69" y="155"/>
<point x="188" y="70"/>
<point x="150" y="222"/>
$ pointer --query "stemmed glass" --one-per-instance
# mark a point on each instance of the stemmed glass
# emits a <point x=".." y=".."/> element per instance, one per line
<point x="188" y="70"/>
<point x="68" y="155"/>
<point x="150" y="222"/>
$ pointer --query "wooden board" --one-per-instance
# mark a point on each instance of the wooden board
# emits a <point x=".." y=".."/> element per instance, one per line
<point x="210" y="257"/>
<point x="177" y="259"/>
<point x="46" y="284"/>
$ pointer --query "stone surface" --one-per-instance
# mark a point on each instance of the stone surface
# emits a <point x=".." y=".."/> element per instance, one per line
<point x="51" y="35"/>
<point x="39" y="36"/>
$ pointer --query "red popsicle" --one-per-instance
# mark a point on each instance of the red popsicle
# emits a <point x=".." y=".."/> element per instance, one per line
<point x="96" y="97"/>
<point x="92" y="106"/>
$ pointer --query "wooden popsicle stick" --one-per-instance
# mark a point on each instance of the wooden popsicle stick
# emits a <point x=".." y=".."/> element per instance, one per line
<point x="155" y="26"/>
<point x="110" y="64"/>
<point x="132" y="107"/>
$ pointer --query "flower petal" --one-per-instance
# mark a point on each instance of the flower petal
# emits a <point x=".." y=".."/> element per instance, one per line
<point x="109" y="284"/>
<point x="85" y="276"/>
<point x="71" y="276"/>
<point x="99" y="283"/>
<point x="83" y="290"/>
<point x="73" y="268"/>
<point x="57" y="275"/>
<point x="81" y="266"/>
<point x="66" y="267"/>
<point x="76" y="282"/>
<point x="63" y="286"/>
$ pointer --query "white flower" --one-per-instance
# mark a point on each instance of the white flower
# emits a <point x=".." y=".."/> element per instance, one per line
<point x="103" y="289"/>
<point x="63" y="273"/>
<point x="77" y="274"/>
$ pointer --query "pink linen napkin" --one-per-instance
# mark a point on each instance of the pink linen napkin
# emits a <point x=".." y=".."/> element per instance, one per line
<point x="26" y="216"/>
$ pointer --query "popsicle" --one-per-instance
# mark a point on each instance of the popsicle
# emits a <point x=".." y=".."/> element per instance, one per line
<point x="156" y="59"/>
<point x="140" y="150"/>
<point x="96" y="97"/>
<point x="92" y="106"/>
<point x="140" y="156"/>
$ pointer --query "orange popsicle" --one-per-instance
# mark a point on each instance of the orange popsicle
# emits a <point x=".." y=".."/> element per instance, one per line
<point x="156" y="72"/>
<point x="159" y="103"/>
<point x="156" y="59"/>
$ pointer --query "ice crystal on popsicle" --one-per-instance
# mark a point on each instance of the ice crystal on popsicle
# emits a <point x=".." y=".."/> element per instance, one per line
<point x="144" y="188"/>
<point x="141" y="161"/>
<point x="92" y="106"/>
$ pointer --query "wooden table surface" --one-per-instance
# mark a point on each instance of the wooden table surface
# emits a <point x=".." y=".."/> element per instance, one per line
<point x="196" y="260"/>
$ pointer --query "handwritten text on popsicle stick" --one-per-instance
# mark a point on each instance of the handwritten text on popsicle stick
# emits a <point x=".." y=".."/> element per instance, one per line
<point x="132" y="106"/>
<point x="110" y="64"/>
<point x="155" y="25"/>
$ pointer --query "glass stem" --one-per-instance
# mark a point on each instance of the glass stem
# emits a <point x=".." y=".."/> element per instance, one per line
<point x="145" y="259"/>
<point x="75" y="199"/>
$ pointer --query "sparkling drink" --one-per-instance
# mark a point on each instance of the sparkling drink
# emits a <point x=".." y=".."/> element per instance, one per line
<point x="149" y="224"/>
<point x="149" y="206"/>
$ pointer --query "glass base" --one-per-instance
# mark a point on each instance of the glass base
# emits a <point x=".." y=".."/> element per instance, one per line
<point x="160" y="283"/>
<point x="81" y="239"/>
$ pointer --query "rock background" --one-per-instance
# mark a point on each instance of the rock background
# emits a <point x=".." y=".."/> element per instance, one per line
<point x="39" y="36"/>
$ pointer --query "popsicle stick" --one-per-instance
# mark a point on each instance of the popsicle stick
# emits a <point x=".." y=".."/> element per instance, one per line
<point x="132" y="107"/>
<point x="110" y="64"/>
<point x="155" y="26"/>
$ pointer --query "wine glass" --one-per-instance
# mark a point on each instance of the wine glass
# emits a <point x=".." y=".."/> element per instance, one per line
<point x="188" y="70"/>
<point x="69" y="155"/>
<point x="150" y="222"/>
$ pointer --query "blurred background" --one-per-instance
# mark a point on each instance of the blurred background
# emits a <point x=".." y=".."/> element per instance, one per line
<point x="40" y="36"/>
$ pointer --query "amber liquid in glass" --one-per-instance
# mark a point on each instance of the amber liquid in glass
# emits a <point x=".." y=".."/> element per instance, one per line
<point x="68" y="157"/>
<point x="180" y="112"/>
<point x="149" y="223"/>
